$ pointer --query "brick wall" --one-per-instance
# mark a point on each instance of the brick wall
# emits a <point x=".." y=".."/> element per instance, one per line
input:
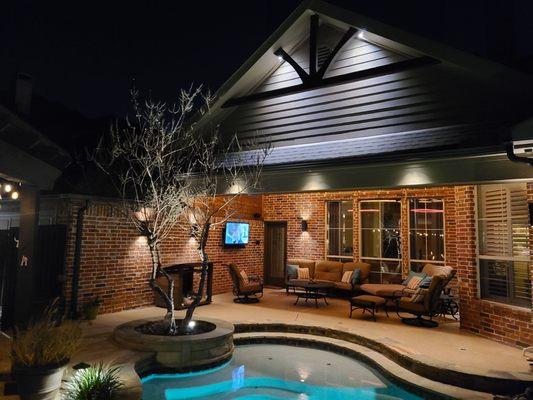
<point x="115" y="261"/>
<point x="312" y="207"/>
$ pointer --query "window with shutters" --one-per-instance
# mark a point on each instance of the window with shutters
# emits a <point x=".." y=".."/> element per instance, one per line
<point x="339" y="230"/>
<point x="503" y="243"/>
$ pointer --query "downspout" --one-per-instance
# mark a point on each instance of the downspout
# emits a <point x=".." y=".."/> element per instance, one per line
<point x="73" y="314"/>
<point x="513" y="157"/>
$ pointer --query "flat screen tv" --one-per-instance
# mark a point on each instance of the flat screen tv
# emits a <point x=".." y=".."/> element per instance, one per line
<point x="236" y="234"/>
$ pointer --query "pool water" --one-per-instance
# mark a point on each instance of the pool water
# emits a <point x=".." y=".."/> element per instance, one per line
<point x="271" y="372"/>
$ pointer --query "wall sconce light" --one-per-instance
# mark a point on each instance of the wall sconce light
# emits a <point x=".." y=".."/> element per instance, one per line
<point x="304" y="225"/>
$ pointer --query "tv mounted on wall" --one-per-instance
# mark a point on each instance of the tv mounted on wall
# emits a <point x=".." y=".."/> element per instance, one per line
<point x="236" y="234"/>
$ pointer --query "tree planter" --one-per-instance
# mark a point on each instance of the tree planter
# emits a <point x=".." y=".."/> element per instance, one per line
<point x="38" y="383"/>
<point x="180" y="353"/>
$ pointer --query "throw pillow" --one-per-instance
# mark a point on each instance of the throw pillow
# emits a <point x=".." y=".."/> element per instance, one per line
<point x="292" y="271"/>
<point x="356" y="277"/>
<point x="347" y="277"/>
<point x="411" y="275"/>
<point x="303" y="273"/>
<point x="244" y="277"/>
<point x="414" y="282"/>
<point x="418" y="296"/>
<point x="426" y="282"/>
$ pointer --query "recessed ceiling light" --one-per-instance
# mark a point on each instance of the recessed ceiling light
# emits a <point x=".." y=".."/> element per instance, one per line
<point x="361" y="35"/>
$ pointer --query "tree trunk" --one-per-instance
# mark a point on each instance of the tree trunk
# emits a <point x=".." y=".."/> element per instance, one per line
<point x="168" y="297"/>
<point x="184" y="325"/>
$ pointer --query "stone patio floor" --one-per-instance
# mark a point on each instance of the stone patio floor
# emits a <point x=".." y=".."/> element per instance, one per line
<point x="445" y="346"/>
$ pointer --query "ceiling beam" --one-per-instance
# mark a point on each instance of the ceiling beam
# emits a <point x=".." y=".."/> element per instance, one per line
<point x="299" y="70"/>
<point x="334" y="80"/>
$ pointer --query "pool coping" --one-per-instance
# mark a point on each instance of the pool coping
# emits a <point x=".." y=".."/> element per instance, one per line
<point x="474" y="382"/>
<point x="431" y="381"/>
<point x="413" y="383"/>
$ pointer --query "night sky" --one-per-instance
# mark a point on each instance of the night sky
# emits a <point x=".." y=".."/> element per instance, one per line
<point x="85" y="55"/>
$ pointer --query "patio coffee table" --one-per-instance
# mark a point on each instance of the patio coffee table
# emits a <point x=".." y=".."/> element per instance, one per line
<point x="313" y="290"/>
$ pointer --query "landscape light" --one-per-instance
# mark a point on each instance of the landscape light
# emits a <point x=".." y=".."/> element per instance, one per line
<point x="191" y="324"/>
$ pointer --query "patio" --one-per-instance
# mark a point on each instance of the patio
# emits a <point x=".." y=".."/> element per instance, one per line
<point x="445" y="348"/>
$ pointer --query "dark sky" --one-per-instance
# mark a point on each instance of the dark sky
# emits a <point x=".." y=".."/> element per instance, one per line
<point x="85" y="54"/>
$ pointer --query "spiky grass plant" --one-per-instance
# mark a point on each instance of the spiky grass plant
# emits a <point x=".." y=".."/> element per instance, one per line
<point x="46" y="341"/>
<point x="98" y="382"/>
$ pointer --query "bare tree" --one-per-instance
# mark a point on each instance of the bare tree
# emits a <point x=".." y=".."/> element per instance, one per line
<point x="169" y="173"/>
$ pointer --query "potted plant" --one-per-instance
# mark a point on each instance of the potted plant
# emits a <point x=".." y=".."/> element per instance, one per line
<point x="40" y="353"/>
<point x="91" y="309"/>
<point x="95" y="382"/>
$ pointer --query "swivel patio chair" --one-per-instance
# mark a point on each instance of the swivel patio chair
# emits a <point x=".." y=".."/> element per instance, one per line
<point x="429" y="306"/>
<point x="248" y="290"/>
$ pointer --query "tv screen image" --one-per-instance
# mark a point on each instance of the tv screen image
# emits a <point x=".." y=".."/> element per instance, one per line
<point x="236" y="233"/>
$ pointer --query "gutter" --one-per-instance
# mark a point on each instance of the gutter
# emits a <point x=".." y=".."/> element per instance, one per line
<point x="513" y="157"/>
<point x="73" y="313"/>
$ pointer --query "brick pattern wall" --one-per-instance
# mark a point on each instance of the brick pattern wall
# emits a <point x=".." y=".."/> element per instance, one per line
<point x="115" y="261"/>
<point x="312" y="207"/>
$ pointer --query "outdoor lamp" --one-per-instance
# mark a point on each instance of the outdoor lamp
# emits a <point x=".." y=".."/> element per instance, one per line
<point x="304" y="225"/>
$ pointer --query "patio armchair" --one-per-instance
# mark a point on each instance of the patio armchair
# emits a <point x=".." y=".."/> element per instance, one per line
<point x="429" y="306"/>
<point x="246" y="288"/>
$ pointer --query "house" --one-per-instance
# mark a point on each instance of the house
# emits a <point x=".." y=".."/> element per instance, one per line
<point x="395" y="150"/>
<point x="386" y="147"/>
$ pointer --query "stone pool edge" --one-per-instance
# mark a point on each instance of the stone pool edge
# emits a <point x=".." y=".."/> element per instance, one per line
<point x="391" y="363"/>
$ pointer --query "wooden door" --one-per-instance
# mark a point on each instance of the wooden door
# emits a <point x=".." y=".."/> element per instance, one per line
<point x="275" y="253"/>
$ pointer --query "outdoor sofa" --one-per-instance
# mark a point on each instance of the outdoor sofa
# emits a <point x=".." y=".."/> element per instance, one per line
<point x="330" y="271"/>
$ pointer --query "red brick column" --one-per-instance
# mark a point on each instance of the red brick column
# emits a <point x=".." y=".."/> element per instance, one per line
<point x="466" y="263"/>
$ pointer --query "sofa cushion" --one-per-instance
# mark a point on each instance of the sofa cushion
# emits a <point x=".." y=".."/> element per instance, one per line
<point x="303" y="273"/>
<point x="382" y="289"/>
<point x="364" y="267"/>
<point x="425" y="282"/>
<point x="356" y="277"/>
<point x="304" y="263"/>
<point x="347" y="277"/>
<point x="413" y="274"/>
<point x="441" y="270"/>
<point x="292" y="271"/>
<point x="328" y="271"/>
<point x="343" y="285"/>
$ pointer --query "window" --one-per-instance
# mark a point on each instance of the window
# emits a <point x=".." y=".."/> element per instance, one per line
<point x="339" y="230"/>
<point x="426" y="232"/>
<point x="503" y="243"/>
<point x="380" y="239"/>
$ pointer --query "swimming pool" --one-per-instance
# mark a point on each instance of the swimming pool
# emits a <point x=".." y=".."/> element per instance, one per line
<point x="271" y="372"/>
